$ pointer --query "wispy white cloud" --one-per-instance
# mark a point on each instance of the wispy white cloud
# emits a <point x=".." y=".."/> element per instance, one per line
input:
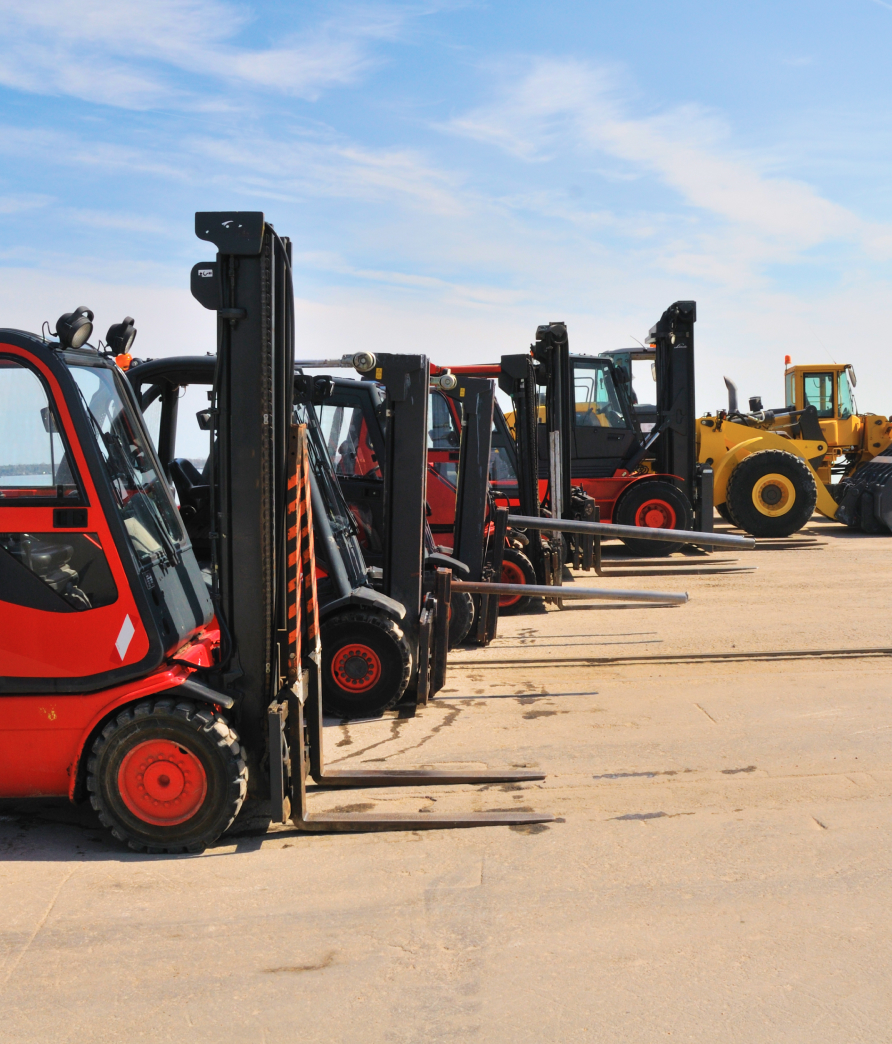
<point x="571" y="105"/>
<point x="16" y="203"/>
<point x="126" y="54"/>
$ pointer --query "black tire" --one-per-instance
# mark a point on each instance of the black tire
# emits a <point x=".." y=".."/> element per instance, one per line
<point x="184" y="745"/>
<point x="366" y="664"/>
<point x="652" y="498"/>
<point x="726" y="514"/>
<point x="461" y="617"/>
<point x="516" y="569"/>
<point x="795" y="489"/>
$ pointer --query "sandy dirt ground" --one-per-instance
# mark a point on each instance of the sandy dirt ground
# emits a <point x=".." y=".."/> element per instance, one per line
<point x="720" y="869"/>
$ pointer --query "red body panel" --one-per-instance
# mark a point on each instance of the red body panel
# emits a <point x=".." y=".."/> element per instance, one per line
<point x="42" y="738"/>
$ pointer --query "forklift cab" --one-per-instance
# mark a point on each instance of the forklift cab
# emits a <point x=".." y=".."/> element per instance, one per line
<point x="352" y="419"/>
<point x="605" y="433"/>
<point x="639" y="370"/>
<point x="92" y="550"/>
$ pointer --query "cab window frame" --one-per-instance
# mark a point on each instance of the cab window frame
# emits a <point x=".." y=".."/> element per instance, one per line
<point x="77" y="499"/>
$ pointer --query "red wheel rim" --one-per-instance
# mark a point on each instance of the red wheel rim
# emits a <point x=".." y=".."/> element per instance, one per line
<point x="356" y="667"/>
<point x="655" y="514"/>
<point x="162" y="783"/>
<point x="511" y="574"/>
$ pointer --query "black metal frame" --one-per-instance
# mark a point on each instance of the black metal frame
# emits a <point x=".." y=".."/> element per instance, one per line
<point x="476" y="398"/>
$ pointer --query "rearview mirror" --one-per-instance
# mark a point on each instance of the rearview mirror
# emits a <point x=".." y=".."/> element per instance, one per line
<point x="49" y="421"/>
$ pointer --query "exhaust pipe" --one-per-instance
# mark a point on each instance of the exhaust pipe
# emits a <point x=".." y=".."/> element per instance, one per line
<point x="732" y="395"/>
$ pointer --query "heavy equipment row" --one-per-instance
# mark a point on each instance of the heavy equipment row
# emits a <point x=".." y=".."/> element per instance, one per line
<point x="173" y="627"/>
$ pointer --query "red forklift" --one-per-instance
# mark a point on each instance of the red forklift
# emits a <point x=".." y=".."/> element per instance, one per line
<point x="575" y="413"/>
<point x="126" y="674"/>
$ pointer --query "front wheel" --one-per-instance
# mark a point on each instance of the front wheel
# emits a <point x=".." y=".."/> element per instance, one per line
<point x="652" y="504"/>
<point x="366" y="664"/>
<point x="516" y="569"/>
<point x="167" y="776"/>
<point x="771" y="494"/>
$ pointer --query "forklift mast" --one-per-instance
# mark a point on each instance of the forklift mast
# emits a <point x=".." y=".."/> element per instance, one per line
<point x="552" y="351"/>
<point x="476" y="400"/>
<point x="517" y="378"/>
<point x="406" y="379"/>
<point x="676" y="448"/>
<point x="248" y="285"/>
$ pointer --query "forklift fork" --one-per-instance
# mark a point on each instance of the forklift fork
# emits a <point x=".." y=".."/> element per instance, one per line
<point x="295" y="718"/>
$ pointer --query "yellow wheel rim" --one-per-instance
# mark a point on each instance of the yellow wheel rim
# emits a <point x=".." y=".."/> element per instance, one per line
<point x="774" y="495"/>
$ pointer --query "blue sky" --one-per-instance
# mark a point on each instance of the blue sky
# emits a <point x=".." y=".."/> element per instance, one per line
<point x="454" y="173"/>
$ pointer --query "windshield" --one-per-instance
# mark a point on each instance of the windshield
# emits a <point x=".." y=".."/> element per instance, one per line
<point x="348" y="440"/>
<point x="34" y="461"/>
<point x="340" y="519"/>
<point x="597" y="399"/>
<point x="143" y="497"/>
<point x="502" y="470"/>
<point x="844" y="396"/>
<point x="818" y="392"/>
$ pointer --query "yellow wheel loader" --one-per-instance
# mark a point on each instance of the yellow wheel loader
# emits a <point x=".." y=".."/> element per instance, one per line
<point x="774" y="467"/>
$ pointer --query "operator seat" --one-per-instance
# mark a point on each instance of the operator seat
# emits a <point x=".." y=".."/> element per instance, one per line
<point x="194" y="494"/>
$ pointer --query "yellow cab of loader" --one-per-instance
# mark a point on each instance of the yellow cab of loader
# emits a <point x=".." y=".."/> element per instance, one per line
<point x="773" y="468"/>
<point x="830" y="389"/>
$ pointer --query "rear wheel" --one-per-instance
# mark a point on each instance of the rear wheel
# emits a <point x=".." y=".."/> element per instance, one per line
<point x="652" y="504"/>
<point x="771" y="494"/>
<point x="366" y="664"/>
<point x="167" y="776"/>
<point x="516" y="569"/>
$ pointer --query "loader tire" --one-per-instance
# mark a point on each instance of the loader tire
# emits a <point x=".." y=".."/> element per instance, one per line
<point x="771" y="494"/>
<point x="461" y="617"/>
<point x="726" y="514"/>
<point x="167" y="775"/>
<point x="516" y="569"/>
<point x="366" y="664"/>
<point x="657" y="505"/>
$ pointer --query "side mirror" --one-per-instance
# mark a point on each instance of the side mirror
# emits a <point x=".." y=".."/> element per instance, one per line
<point x="323" y="388"/>
<point x="49" y="421"/>
<point x="205" y="421"/>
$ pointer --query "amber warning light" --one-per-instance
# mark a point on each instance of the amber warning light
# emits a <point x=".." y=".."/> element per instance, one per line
<point x="787" y="360"/>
